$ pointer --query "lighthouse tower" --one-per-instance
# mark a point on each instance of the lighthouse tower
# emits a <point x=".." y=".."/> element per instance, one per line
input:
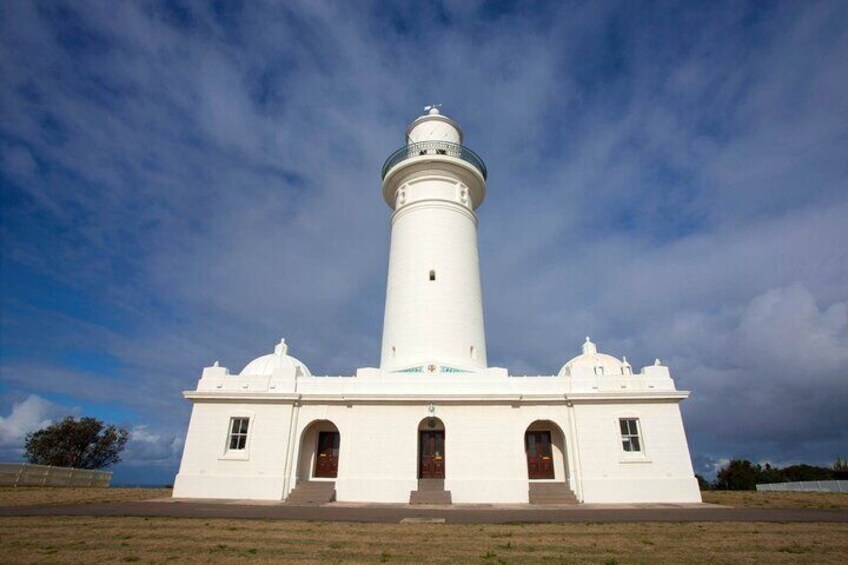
<point x="434" y="311"/>
<point x="435" y="424"/>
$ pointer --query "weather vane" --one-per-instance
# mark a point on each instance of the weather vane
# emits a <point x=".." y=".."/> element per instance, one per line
<point x="432" y="107"/>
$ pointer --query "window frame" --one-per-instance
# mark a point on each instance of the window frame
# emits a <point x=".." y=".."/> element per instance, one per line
<point x="625" y="456"/>
<point x="238" y="437"/>
<point x="236" y="453"/>
<point x="630" y="431"/>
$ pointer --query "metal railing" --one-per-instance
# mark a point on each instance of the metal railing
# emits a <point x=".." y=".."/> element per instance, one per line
<point x="26" y="475"/>
<point x="806" y="486"/>
<point x="423" y="148"/>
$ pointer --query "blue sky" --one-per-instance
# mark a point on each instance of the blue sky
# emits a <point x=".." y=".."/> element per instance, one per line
<point x="188" y="182"/>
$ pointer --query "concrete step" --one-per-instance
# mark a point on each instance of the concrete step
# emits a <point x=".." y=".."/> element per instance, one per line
<point x="313" y="492"/>
<point x="430" y="497"/>
<point x="565" y="500"/>
<point x="551" y="493"/>
<point x="431" y="484"/>
<point x="316" y="485"/>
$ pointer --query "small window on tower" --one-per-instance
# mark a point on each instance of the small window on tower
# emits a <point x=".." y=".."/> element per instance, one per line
<point x="432" y="275"/>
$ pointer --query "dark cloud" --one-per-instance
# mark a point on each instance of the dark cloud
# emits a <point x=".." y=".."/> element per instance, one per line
<point x="185" y="186"/>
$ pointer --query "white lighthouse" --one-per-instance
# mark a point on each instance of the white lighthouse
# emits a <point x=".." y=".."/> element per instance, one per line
<point x="434" y="424"/>
<point x="434" y="308"/>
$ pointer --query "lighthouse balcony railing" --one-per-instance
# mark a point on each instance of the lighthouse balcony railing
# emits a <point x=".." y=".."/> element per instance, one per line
<point x="424" y="148"/>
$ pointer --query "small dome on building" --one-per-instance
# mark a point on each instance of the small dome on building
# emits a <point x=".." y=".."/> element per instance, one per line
<point x="598" y="363"/>
<point x="267" y="364"/>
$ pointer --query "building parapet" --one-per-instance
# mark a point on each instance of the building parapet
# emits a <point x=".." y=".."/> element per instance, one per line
<point x="436" y="398"/>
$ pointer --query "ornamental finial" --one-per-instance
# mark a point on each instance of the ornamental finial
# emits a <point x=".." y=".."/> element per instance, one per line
<point x="433" y="109"/>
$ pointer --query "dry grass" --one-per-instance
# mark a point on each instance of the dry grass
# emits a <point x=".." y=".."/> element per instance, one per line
<point x="756" y="499"/>
<point x="157" y="540"/>
<point x="27" y="496"/>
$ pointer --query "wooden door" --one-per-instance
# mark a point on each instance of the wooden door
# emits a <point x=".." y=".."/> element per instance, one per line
<point x="540" y="461"/>
<point x="432" y="455"/>
<point x="327" y="465"/>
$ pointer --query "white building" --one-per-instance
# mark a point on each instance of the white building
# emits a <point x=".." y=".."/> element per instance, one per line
<point x="434" y="423"/>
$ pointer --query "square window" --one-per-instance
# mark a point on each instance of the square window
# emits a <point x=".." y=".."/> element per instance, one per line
<point x="238" y="433"/>
<point x="630" y="440"/>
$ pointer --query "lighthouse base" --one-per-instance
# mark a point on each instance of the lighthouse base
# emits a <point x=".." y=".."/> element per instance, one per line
<point x="488" y="436"/>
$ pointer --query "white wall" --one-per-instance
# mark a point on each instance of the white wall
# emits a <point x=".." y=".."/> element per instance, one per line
<point x="484" y="451"/>
<point x="662" y="472"/>
<point x="441" y="320"/>
<point x="210" y="470"/>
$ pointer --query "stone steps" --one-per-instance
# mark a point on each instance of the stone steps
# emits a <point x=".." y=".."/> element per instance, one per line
<point x="313" y="492"/>
<point x="430" y="491"/>
<point x="430" y="497"/>
<point x="431" y="484"/>
<point x="551" y="493"/>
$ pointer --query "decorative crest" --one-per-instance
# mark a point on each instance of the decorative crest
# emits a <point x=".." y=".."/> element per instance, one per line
<point x="589" y="347"/>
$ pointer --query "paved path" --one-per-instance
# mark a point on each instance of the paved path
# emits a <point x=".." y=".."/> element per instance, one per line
<point x="390" y="513"/>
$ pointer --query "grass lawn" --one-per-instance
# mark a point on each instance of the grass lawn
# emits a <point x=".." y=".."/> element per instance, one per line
<point x="18" y="496"/>
<point x="26" y="496"/>
<point x="159" y="540"/>
<point x="754" y="499"/>
<point x="187" y="540"/>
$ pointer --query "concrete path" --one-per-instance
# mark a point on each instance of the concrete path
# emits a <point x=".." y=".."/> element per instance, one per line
<point x="396" y="513"/>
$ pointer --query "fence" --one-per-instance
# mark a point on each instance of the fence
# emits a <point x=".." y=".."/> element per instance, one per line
<point x="806" y="486"/>
<point x="25" y="475"/>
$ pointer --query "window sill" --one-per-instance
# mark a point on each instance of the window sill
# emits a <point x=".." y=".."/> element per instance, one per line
<point x="235" y="456"/>
<point x="629" y="460"/>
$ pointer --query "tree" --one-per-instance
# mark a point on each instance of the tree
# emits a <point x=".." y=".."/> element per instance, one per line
<point x="840" y="469"/>
<point x="771" y="474"/>
<point x="703" y="484"/>
<point x="86" y="443"/>
<point x="806" y="472"/>
<point x="738" y="475"/>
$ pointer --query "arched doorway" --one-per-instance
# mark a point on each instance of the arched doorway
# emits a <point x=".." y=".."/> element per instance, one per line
<point x="544" y="446"/>
<point x="319" y="451"/>
<point x="431" y="449"/>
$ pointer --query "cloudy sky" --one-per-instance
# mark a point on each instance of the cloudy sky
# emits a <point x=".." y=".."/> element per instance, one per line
<point x="186" y="182"/>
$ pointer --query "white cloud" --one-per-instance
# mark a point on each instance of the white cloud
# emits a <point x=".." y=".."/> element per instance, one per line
<point x="146" y="447"/>
<point x="28" y="415"/>
<point x="784" y="327"/>
<point x="673" y="186"/>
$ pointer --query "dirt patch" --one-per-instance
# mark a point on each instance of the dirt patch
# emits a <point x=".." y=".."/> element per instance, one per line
<point x="87" y="540"/>
<point x="28" y="496"/>
<point x="754" y="499"/>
